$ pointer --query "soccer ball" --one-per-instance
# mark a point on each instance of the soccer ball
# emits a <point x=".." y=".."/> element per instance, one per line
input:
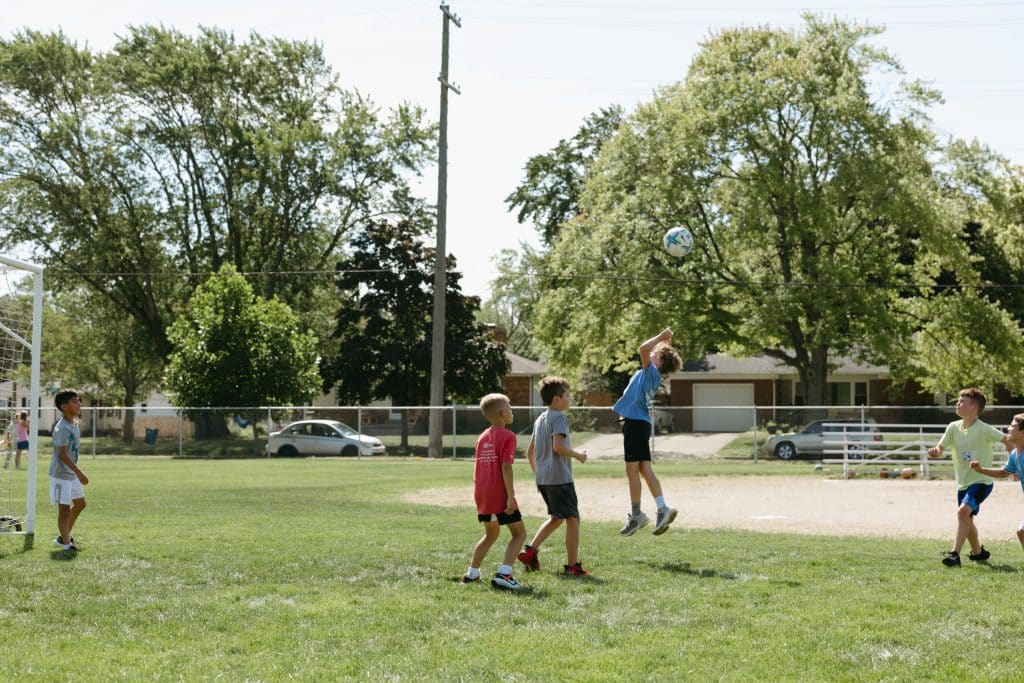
<point x="678" y="242"/>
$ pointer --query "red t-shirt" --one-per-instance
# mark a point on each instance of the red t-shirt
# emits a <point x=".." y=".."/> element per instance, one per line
<point x="497" y="445"/>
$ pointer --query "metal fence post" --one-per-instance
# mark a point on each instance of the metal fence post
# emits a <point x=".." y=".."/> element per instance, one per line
<point x="93" y="416"/>
<point x="181" y="433"/>
<point x="755" y="434"/>
<point x="455" y="415"/>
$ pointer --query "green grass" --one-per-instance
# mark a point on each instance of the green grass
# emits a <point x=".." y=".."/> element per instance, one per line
<point x="315" y="569"/>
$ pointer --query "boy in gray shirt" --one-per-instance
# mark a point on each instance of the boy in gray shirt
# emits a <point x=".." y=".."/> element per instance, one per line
<point x="66" y="479"/>
<point x="550" y="457"/>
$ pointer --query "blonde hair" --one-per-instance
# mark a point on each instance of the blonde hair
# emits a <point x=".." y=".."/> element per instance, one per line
<point x="491" y="405"/>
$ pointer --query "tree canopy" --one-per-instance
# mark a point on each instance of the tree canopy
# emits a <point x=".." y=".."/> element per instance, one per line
<point x="178" y="154"/>
<point x="821" y="225"/>
<point x="234" y="348"/>
<point x="384" y="326"/>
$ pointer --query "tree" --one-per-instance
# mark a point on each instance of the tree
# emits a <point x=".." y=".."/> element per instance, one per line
<point x="233" y="348"/>
<point x="513" y="296"/>
<point x="549" y="195"/>
<point x="88" y="344"/>
<point x="384" y="327"/>
<point x="820" y="226"/>
<point x="179" y="154"/>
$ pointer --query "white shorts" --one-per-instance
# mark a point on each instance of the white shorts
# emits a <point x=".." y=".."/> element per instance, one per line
<point x="63" y="491"/>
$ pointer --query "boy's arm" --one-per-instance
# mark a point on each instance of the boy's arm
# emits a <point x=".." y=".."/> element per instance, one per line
<point x="559" y="447"/>
<point x="645" y="349"/>
<point x="510" y="492"/>
<point x="997" y="472"/>
<point x="531" y="456"/>
<point x="65" y="457"/>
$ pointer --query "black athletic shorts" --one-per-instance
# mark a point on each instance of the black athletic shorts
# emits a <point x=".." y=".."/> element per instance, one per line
<point x="636" y="440"/>
<point x="560" y="499"/>
<point x="501" y="518"/>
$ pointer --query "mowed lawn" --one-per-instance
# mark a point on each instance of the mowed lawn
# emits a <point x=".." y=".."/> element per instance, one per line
<point x="316" y="570"/>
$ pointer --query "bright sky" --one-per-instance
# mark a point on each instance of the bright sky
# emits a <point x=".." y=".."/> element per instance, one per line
<point x="530" y="71"/>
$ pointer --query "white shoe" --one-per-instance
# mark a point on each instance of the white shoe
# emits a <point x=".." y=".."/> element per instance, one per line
<point x="505" y="581"/>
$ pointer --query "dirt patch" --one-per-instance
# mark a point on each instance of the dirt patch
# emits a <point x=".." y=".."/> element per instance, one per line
<point x="803" y="505"/>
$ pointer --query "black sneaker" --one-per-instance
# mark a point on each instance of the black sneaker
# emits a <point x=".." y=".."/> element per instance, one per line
<point x="951" y="559"/>
<point x="467" y="580"/>
<point x="979" y="557"/>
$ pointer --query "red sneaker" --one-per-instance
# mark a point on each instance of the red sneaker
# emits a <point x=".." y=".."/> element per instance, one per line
<point x="576" y="570"/>
<point x="529" y="558"/>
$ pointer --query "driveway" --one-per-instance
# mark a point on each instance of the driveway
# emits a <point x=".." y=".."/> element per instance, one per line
<point x="609" y="446"/>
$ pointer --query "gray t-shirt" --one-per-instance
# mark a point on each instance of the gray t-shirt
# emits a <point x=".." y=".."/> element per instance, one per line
<point x="551" y="467"/>
<point x="64" y="434"/>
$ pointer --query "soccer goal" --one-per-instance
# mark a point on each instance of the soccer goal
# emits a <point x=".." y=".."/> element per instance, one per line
<point x="21" y="323"/>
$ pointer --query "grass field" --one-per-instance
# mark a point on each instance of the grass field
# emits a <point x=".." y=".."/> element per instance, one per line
<point x="316" y="570"/>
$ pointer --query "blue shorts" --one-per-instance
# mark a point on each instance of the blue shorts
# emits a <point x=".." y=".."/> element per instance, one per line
<point x="973" y="496"/>
<point x="22" y="445"/>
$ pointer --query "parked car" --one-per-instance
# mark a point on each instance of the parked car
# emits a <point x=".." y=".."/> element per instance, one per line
<point x="662" y="419"/>
<point x="810" y="441"/>
<point x="322" y="437"/>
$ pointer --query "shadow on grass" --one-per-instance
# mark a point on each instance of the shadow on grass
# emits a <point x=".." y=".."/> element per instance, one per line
<point x="689" y="570"/>
<point x="1002" y="568"/>
<point x="63" y="555"/>
<point x="524" y="591"/>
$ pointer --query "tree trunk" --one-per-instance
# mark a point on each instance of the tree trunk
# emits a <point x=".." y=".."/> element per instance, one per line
<point x="128" y="423"/>
<point x="814" y="376"/>
<point x="210" y="425"/>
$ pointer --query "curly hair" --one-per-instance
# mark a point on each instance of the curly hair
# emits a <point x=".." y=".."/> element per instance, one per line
<point x="669" y="359"/>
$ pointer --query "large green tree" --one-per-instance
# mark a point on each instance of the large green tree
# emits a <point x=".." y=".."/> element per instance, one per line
<point x="820" y="224"/>
<point x="89" y="345"/>
<point x="233" y="348"/>
<point x="173" y="153"/>
<point x="384" y="326"/>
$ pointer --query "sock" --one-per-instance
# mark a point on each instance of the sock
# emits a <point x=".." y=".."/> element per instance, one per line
<point x="660" y="502"/>
<point x="505" y="569"/>
<point x="473" y="572"/>
<point x="636" y="510"/>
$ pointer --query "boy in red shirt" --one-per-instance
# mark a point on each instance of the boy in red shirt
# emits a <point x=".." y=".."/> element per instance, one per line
<point x="494" y="493"/>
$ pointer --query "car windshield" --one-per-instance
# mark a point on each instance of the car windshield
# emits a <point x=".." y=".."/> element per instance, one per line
<point x="344" y="428"/>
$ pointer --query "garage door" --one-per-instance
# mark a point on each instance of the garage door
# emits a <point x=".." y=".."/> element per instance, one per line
<point x="720" y="418"/>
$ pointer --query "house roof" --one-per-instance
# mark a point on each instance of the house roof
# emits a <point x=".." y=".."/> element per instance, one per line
<point x="523" y="366"/>
<point x="765" y="367"/>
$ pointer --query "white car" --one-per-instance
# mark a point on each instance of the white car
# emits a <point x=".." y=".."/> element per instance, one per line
<point x="322" y="437"/>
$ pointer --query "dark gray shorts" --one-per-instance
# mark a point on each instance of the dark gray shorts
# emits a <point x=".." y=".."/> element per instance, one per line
<point x="560" y="499"/>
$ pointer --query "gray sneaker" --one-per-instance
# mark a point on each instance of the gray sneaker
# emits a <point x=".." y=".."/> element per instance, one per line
<point x="665" y="517"/>
<point x="634" y="524"/>
<point x="505" y="581"/>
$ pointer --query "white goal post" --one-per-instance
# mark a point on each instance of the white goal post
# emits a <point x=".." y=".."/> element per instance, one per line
<point x="21" y="325"/>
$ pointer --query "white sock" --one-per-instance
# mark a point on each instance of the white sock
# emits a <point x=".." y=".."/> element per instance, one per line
<point x="505" y="569"/>
<point x="660" y="502"/>
<point x="473" y="572"/>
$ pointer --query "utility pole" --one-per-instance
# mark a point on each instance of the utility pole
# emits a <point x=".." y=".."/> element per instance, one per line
<point x="436" y="424"/>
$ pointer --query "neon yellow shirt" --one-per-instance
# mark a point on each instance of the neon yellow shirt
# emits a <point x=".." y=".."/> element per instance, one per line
<point x="973" y="443"/>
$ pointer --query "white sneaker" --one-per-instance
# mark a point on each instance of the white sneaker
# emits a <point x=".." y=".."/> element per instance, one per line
<point x="666" y="516"/>
<point x="635" y="523"/>
<point x="505" y="581"/>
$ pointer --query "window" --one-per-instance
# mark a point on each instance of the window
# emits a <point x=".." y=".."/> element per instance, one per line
<point x="860" y="393"/>
<point x="839" y="393"/>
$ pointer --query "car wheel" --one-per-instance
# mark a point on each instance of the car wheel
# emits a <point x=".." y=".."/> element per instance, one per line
<point x="785" y="451"/>
<point x="287" y="452"/>
<point x="350" y="451"/>
<point x="856" y="452"/>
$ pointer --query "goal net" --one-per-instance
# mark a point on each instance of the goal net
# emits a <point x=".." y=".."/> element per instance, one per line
<point x="21" y="302"/>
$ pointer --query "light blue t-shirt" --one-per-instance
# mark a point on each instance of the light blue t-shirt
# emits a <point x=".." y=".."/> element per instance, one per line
<point x="64" y="434"/>
<point x="636" y="399"/>
<point x="1015" y="465"/>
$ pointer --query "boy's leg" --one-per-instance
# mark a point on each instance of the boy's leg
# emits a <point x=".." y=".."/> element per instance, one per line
<point x="647" y="472"/>
<point x="545" y="530"/>
<point x="963" y="526"/>
<point x="972" y="537"/>
<point x="572" y="540"/>
<point x="1020" y="535"/>
<point x="491" y="532"/>
<point x="515" y="544"/>
<point x="77" y="505"/>
<point x="63" y="515"/>
<point x="635" y="485"/>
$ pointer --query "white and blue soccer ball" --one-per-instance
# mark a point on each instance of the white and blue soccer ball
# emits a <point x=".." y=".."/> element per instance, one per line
<point x="678" y="242"/>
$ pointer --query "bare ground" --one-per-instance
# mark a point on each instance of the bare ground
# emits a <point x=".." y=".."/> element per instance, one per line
<point x="804" y="505"/>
